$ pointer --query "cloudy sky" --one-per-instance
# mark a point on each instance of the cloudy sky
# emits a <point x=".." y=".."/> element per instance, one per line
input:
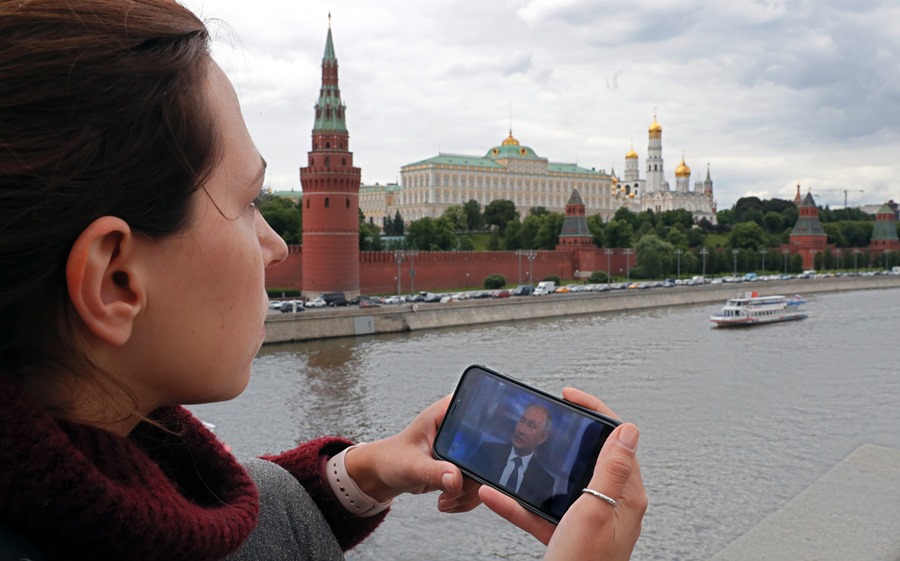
<point x="768" y="93"/>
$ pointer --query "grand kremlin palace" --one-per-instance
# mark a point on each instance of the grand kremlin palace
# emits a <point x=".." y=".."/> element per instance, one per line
<point x="515" y="172"/>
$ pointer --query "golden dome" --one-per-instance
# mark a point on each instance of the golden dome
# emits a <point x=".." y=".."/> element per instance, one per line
<point x="682" y="170"/>
<point x="631" y="155"/>
<point x="655" y="127"/>
<point x="510" y="140"/>
<point x="614" y="180"/>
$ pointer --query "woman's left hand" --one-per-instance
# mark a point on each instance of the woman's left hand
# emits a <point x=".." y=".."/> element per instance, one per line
<point x="404" y="463"/>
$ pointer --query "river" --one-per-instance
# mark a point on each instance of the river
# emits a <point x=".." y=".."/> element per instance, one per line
<point x="734" y="423"/>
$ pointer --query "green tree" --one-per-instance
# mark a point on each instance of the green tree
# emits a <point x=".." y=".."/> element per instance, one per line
<point x="773" y="221"/>
<point x="598" y="277"/>
<point x="746" y="235"/>
<point x="369" y="235"/>
<point x="623" y="214"/>
<point x="429" y="234"/>
<point x="457" y="217"/>
<point x="284" y="217"/>
<point x="618" y="233"/>
<point x="474" y="218"/>
<point x="655" y="257"/>
<point x="498" y="213"/>
<point x="597" y="228"/>
<point x="492" y="282"/>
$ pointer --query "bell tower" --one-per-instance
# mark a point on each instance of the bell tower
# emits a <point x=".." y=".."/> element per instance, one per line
<point x="330" y="193"/>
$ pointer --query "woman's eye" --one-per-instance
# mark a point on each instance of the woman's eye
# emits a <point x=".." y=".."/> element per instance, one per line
<point x="261" y="199"/>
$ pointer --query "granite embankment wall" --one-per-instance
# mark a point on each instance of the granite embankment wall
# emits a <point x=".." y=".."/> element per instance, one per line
<point x="349" y="322"/>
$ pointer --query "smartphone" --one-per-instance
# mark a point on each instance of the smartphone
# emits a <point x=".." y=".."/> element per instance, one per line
<point x="533" y="446"/>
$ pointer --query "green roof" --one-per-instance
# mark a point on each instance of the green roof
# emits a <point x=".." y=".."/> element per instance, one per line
<point x="885" y="230"/>
<point x="556" y="167"/>
<point x="457" y="160"/>
<point x="515" y="151"/>
<point x="378" y="188"/>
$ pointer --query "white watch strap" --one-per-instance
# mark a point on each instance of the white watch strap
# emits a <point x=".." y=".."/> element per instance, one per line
<point x="346" y="490"/>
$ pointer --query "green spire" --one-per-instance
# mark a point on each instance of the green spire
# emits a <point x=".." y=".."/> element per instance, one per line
<point x="330" y="111"/>
<point x="329" y="45"/>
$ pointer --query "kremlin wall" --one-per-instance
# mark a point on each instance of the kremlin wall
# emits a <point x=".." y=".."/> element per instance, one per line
<point x="330" y="261"/>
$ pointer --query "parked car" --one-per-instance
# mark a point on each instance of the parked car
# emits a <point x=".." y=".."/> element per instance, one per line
<point x="291" y="306"/>
<point x="334" y="299"/>
<point x="523" y="290"/>
<point x="317" y="302"/>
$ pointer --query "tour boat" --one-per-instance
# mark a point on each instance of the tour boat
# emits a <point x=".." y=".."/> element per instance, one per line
<point x="752" y="309"/>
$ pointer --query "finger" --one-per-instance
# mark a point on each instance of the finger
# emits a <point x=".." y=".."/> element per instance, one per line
<point x="585" y="399"/>
<point x="508" y="509"/>
<point x="459" y="503"/>
<point x="616" y="464"/>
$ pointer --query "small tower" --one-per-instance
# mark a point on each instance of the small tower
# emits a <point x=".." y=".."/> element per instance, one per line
<point x="798" y="199"/>
<point x="330" y="194"/>
<point x="884" y="234"/>
<point x="575" y="233"/>
<point x="708" y="184"/>
<point x="808" y="237"/>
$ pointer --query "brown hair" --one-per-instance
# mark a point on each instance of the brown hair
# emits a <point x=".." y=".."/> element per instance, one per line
<point x="102" y="113"/>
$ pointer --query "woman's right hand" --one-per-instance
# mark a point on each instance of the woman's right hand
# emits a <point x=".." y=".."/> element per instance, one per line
<point x="591" y="529"/>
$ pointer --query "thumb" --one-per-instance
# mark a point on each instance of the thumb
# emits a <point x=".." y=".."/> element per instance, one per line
<point x="616" y="461"/>
<point x="442" y="476"/>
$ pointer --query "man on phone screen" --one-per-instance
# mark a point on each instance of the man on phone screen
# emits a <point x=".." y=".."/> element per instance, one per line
<point x="514" y="465"/>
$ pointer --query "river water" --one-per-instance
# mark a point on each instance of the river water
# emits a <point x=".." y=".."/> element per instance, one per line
<point x="734" y="423"/>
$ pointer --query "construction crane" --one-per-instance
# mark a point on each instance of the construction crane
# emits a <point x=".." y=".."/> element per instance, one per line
<point x="845" y="194"/>
<point x="844" y="191"/>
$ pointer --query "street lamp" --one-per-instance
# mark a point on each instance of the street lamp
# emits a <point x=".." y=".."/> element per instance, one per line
<point x="519" y="262"/>
<point x="763" y="251"/>
<point x="734" y="252"/>
<point x="412" y="270"/>
<point x="704" y="252"/>
<point x="856" y="262"/>
<point x="467" y="282"/>
<point x="608" y="252"/>
<point x="398" y="257"/>
<point x="531" y="254"/>
<point x="812" y="257"/>
<point x="837" y="259"/>
<point x="628" y="252"/>
<point x="678" y="253"/>
<point x="785" y="252"/>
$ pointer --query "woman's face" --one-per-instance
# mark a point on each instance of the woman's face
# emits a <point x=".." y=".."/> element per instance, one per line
<point x="206" y="302"/>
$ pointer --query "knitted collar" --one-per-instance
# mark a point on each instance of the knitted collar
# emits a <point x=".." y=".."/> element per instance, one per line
<point x="79" y="492"/>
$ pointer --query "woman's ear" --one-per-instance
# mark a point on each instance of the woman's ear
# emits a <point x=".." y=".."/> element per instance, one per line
<point x="103" y="280"/>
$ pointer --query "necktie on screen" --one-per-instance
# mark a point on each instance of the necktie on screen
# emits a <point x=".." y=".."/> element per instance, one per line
<point x="512" y="482"/>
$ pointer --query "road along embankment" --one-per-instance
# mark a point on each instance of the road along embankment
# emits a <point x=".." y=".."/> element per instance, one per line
<point x="351" y="322"/>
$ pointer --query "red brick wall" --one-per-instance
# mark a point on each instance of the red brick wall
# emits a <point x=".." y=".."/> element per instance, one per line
<point x="439" y="270"/>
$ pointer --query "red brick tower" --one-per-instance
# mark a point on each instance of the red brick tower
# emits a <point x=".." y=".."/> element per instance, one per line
<point x="575" y="233"/>
<point x="330" y="194"/>
<point x="808" y="237"/>
<point x="884" y="234"/>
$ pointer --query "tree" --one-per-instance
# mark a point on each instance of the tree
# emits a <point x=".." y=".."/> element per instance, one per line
<point x="746" y="235"/>
<point x="429" y="234"/>
<point x="457" y="218"/>
<point x="474" y="218"/>
<point x="598" y="277"/>
<point x="618" y="233"/>
<point x="492" y="282"/>
<point x="395" y="226"/>
<point x="654" y="257"/>
<point x="773" y="221"/>
<point x="284" y="217"/>
<point x="369" y="236"/>
<point x="498" y="213"/>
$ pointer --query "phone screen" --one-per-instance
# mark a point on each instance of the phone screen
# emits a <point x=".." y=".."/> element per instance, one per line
<point x="533" y="446"/>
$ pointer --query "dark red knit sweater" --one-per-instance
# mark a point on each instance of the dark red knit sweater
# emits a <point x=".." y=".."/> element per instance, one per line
<point x="77" y="492"/>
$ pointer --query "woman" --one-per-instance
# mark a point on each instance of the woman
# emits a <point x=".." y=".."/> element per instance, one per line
<point x="132" y="262"/>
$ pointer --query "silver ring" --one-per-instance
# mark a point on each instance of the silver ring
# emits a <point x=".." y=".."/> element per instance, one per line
<point x="600" y="495"/>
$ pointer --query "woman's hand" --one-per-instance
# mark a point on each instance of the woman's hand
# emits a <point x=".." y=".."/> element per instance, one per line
<point x="404" y="464"/>
<point x="591" y="528"/>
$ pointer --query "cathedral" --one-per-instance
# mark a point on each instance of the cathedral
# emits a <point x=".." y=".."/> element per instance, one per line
<point x="654" y="192"/>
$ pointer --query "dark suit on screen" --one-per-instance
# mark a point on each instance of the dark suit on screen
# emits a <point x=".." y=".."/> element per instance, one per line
<point x="537" y="483"/>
